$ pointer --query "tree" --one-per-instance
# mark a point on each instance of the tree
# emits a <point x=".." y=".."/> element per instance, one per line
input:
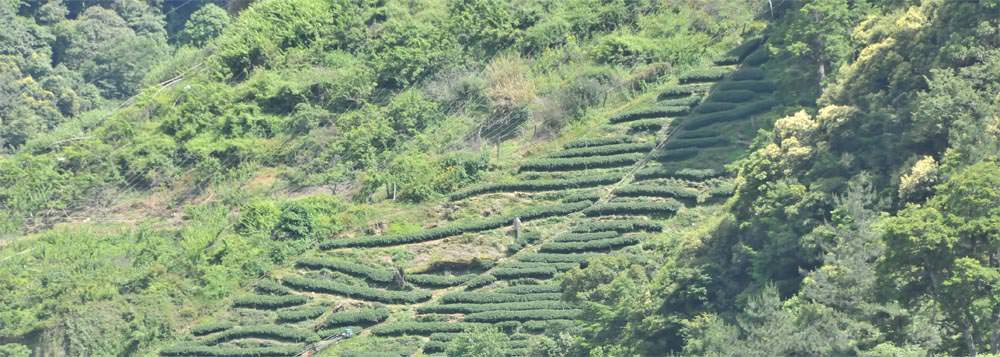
<point x="205" y="24"/>
<point x="486" y="342"/>
<point x="821" y="32"/>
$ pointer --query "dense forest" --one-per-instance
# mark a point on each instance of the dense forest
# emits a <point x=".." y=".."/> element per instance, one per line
<point x="499" y="178"/>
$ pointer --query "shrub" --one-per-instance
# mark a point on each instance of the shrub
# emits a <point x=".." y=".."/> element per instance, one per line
<point x="658" y="112"/>
<point x="742" y="112"/>
<point x="435" y="346"/>
<point x="647" y="125"/>
<point x="364" y="317"/>
<point x="579" y="237"/>
<point x="422" y="328"/>
<point x="757" y="58"/>
<point x="683" y="174"/>
<point x="747" y="73"/>
<point x="347" y="267"/>
<point x="748" y="46"/>
<point x="504" y="306"/>
<point x="727" y="60"/>
<point x="491" y="297"/>
<point x="271" y="287"/>
<point x="683" y="90"/>
<point x="583" y="196"/>
<point x="527" y="265"/>
<point x="712" y="107"/>
<point x="553" y="258"/>
<point x="269" y="302"/>
<point x="531" y="289"/>
<point x="675" y="155"/>
<point x="227" y="351"/>
<point x="619" y="225"/>
<point x="700" y="133"/>
<point x="521" y="315"/>
<point x="593" y="162"/>
<point x="207" y="328"/>
<point x="530" y="213"/>
<point x="696" y="143"/>
<point x="710" y="74"/>
<point x="633" y="208"/>
<point x="480" y="281"/>
<point x="731" y="96"/>
<point x="514" y="273"/>
<point x="589" y="246"/>
<point x="357" y="292"/>
<point x="583" y="143"/>
<point x="300" y="314"/>
<point x="271" y="332"/>
<point x="689" y="101"/>
<point x="605" y="150"/>
<point x="756" y="86"/>
<point x="438" y="281"/>
<point x="543" y="325"/>
<point x="538" y="185"/>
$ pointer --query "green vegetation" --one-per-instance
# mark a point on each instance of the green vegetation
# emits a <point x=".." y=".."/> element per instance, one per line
<point x="438" y="281"/>
<point x="658" y="112"/>
<point x="275" y="332"/>
<point x="581" y="163"/>
<point x="377" y="275"/>
<point x="597" y="245"/>
<point x="269" y="302"/>
<point x="356" y="292"/>
<point x="422" y="328"/>
<point x="605" y="150"/>
<point x="301" y="314"/>
<point x="521" y="315"/>
<point x="597" y="142"/>
<point x="492" y="298"/>
<point x="358" y="317"/>
<point x="226" y="351"/>
<point x="538" y="185"/>
<point x="207" y="328"/>
<point x="618" y="225"/>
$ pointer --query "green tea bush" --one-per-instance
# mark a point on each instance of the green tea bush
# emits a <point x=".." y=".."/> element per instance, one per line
<point x="659" y="112"/>
<point x="301" y="314"/>
<point x="538" y="185"/>
<point x="618" y="225"/>
<point x="683" y="90"/>
<point x="697" y="143"/>
<point x="584" y="143"/>
<point x="582" y="196"/>
<point x="683" y="174"/>
<point x="422" y="328"/>
<point x="741" y="112"/>
<point x="467" y="297"/>
<point x="514" y="273"/>
<point x="757" y="58"/>
<point x="543" y="325"/>
<point x="363" y="317"/>
<point x="710" y="74"/>
<point x="530" y="213"/>
<point x="579" y="237"/>
<point x="521" y="315"/>
<point x="633" y="208"/>
<point x="504" y="306"/>
<point x="700" y="133"/>
<point x="347" y="267"/>
<point x="357" y="292"/>
<point x="601" y="245"/>
<point x="437" y="280"/>
<point x="727" y="60"/>
<point x="646" y="125"/>
<point x="712" y="107"/>
<point x="227" y="351"/>
<point x="756" y="86"/>
<point x="731" y="96"/>
<point x="605" y="150"/>
<point x="664" y="190"/>
<point x="269" y="302"/>
<point x="531" y="289"/>
<point x="675" y="154"/>
<point x="580" y="163"/>
<point x="270" y="332"/>
<point x="748" y="46"/>
<point x="270" y="287"/>
<point x="435" y="346"/>
<point x="207" y="328"/>
<point x="688" y="101"/>
<point x="480" y="281"/>
<point x="554" y="258"/>
<point x="747" y="73"/>
<point x="527" y="265"/>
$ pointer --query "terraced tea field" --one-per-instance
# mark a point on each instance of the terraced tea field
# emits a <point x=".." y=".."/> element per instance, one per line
<point x="596" y="196"/>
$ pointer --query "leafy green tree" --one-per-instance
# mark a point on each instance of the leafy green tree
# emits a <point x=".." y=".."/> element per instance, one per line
<point x="479" y="343"/>
<point x="821" y="31"/>
<point x="484" y="26"/>
<point x="404" y="52"/>
<point x="204" y="24"/>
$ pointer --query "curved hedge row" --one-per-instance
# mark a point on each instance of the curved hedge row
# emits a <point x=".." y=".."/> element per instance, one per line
<point x="269" y="302"/>
<point x="580" y="237"/>
<point x="727" y="60"/>
<point x="534" y="272"/>
<point x="526" y="265"/>
<point x="226" y="351"/>
<point x="521" y="315"/>
<point x="675" y="154"/>
<point x="422" y="328"/>
<point x="756" y="86"/>
<point x="583" y="143"/>
<point x="689" y="101"/>
<point x="605" y="150"/>
<point x="357" y="292"/>
<point x="671" y="191"/>
<point x="697" y="143"/>
<point x="578" y="163"/>
<point x="554" y="258"/>
<point x="207" y="328"/>
<point x="633" y="208"/>
<point x="683" y="90"/>
<point x="270" y="332"/>
<point x="363" y="317"/>
<point x="538" y="185"/>
<point x="589" y="246"/>
<point x="480" y="281"/>
<point x="530" y="289"/>
<point x="700" y="133"/>
<point x="438" y="281"/>
<point x="748" y="46"/>
<point x="347" y="267"/>
<point x="712" y="107"/>
<point x="271" y="287"/>
<point x="444" y="232"/>
<point x="757" y="58"/>
<point x="741" y="112"/>
<point x="647" y="125"/>
<point x="491" y="297"/>
<point x="731" y="96"/>
<point x="747" y="74"/>
<point x="710" y="74"/>
<point x="618" y="225"/>
<point x="541" y="325"/>
<point x="582" y="196"/>
<point x="683" y="174"/>
<point x="301" y="314"/>
<point x="505" y="306"/>
<point x="658" y="112"/>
